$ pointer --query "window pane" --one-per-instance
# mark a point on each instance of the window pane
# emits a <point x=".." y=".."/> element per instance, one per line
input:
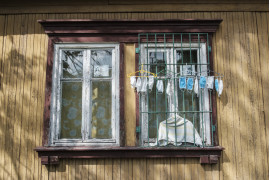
<point x="101" y="63"/>
<point x="158" y="61"/>
<point x="184" y="58"/>
<point x="101" y="109"/>
<point x="71" y="112"/>
<point x="72" y="64"/>
<point x="157" y="103"/>
<point x="188" y="101"/>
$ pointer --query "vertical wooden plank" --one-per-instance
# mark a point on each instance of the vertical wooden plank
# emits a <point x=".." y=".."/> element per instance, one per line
<point x="92" y="169"/>
<point x="116" y="172"/>
<point x="71" y="169"/>
<point x="165" y="168"/>
<point x="174" y="170"/>
<point x="181" y="168"/>
<point x="108" y="174"/>
<point x="126" y="169"/>
<point x="2" y="114"/>
<point x="150" y="169"/>
<point x="262" y="33"/>
<point x="130" y="102"/>
<point x="6" y="91"/>
<point x="100" y="169"/>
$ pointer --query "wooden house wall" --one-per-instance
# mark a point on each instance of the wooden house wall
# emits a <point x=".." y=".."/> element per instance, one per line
<point x="240" y="48"/>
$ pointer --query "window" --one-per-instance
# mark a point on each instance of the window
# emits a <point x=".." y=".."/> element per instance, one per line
<point x="163" y="113"/>
<point x="85" y="95"/>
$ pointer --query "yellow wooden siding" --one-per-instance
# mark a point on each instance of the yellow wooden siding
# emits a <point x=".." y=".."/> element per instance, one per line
<point x="240" y="48"/>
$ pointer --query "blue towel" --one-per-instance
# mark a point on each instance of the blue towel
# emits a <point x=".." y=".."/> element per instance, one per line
<point x="182" y="83"/>
<point x="202" y="82"/>
<point x="190" y="84"/>
<point x="216" y="84"/>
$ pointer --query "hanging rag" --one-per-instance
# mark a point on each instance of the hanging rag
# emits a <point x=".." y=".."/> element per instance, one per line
<point x="220" y="89"/>
<point x="190" y="84"/>
<point x="139" y="84"/>
<point x="160" y="86"/>
<point x="133" y="81"/>
<point x="182" y="83"/>
<point x="210" y="82"/>
<point x="185" y="132"/>
<point x="196" y="87"/>
<point x="144" y="85"/>
<point x="216" y="84"/>
<point x="202" y="82"/>
<point x="151" y="82"/>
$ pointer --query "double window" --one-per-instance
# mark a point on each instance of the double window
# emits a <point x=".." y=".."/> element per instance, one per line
<point x="85" y="95"/>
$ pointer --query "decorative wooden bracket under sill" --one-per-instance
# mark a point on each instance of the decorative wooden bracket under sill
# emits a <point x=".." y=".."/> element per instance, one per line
<point x="51" y="155"/>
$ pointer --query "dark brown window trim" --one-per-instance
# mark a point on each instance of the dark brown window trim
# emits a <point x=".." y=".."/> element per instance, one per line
<point x="51" y="155"/>
<point x="121" y="31"/>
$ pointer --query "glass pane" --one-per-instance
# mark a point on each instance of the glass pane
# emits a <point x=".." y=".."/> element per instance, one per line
<point x="159" y="62"/>
<point x="157" y="103"/>
<point x="71" y="112"/>
<point x="72" y="64"/>
<point x="101" y="109"/>
<point x="101" y="63"/>
<point x="185" y="60"/>
<point x="188" y="101"/>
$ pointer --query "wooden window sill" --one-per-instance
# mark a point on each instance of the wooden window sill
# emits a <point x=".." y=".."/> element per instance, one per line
<point x="51" y="155"/>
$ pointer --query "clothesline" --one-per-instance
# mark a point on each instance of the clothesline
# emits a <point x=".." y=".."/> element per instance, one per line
<point x="185" y="83"/>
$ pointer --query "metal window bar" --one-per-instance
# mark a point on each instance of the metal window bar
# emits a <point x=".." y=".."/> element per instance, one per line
<point x="173" y="43"/>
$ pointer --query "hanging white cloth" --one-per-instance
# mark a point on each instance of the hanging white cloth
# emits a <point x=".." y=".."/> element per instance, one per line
<point x="166" y="132"/>
<point x="210" y="82"/>
<point x="133" y="81"/>
<point x="139" y="84"/>
<point x="151" y="82"/>
<point x="220" y="88"/>
<point x="196" y="86"/>
<point x="144" y="85"/>
<point x="160" y="86"/>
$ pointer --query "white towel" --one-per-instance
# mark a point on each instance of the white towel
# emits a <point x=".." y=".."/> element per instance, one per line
<point x="144" y="85"/>
<point x="133" y="81"/>
<point x="151" y="82"/>
<point x="196" y="86"/>
<point x="220" y="88"/>
<point x="210" y="82"/>
<point x="139" y="84"/>
<point x="160" y="86"/>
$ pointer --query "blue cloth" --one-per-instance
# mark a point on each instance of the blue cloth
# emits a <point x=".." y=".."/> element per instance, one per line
<point x="216" y="84"/>
<point x="190" y="84"/>
<point x="182" y="83"/>
<point x="202" y="82"/>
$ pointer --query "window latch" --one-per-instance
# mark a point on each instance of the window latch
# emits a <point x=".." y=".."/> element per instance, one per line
<point x="138" y="129"/>
<point x="137" y="50"/>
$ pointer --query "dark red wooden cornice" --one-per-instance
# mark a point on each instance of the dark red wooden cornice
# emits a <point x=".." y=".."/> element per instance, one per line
<point x="60" y="27"/>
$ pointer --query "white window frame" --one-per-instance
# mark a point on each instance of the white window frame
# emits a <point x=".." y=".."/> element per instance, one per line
<point x="55" y="116"/>
<point x="202" y="59"/>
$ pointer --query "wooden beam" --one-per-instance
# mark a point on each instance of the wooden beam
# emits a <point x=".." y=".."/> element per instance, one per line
<point x="222" y="7"/>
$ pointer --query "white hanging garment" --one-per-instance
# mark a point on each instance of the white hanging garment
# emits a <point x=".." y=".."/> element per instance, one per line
<point x="151" y="82"/>
<point x="196" y="86"/>
<point x="220" y="88"/>
<point x="184" y="128"/>
<point x="139" y="84"/>
<point x="160" y="86"/>
<point x="144" y="85"/>
<point x="210" y="82"/>
<point x="133" y="81"/>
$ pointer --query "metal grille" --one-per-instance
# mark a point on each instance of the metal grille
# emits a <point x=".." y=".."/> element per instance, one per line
<point x="170" y="55"/>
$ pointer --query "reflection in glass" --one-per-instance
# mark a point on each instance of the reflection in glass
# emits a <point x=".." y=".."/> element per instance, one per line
<point x="101" y="110"/>
<point x="183" y="57"/>
<point x="72" y="64"/>
<point x="158" y="60"/>
<point x="157" y="103"/>
<point x="101" y="63"/>
<point x="71" y="110"/>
